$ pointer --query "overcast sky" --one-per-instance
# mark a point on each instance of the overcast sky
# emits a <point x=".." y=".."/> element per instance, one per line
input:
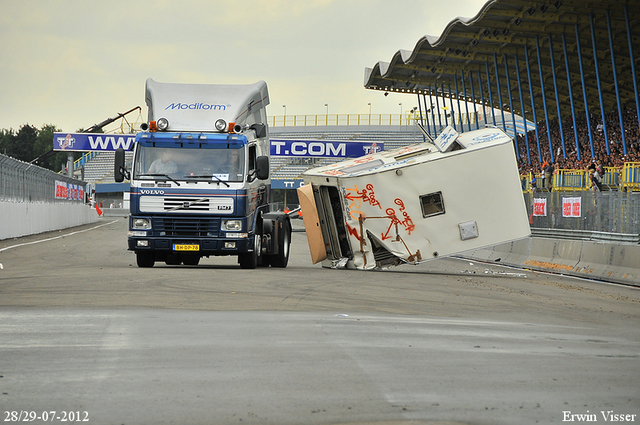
<point x="74" y="63"/>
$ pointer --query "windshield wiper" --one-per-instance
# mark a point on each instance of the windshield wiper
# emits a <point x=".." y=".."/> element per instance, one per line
<point x="207" y="176"/>
<point x="159" y="175"/>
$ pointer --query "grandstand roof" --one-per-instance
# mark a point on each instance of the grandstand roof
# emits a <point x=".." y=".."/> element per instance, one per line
<point x="502" y="31"/>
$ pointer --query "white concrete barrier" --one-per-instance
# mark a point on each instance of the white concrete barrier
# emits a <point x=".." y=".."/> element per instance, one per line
<point x="29" y="218"/>
<point x="605" y="261"/>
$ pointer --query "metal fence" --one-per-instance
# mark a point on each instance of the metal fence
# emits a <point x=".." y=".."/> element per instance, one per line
<point x="585" y="211"/>
<point x="24" y="182"/>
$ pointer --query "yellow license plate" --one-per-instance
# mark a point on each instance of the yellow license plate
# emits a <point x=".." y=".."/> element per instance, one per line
<point x="177" y="247"/>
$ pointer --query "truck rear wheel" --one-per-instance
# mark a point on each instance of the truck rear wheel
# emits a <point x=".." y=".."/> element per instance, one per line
<point x="145" y="259"/>
<point x="281" y="259"/>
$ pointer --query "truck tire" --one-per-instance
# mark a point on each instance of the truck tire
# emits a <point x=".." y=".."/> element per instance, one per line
<point x="191" y="260"/>
<point x="145" y="259"/>
<point x="249" y="260"/>
<point x="281" y="259"/>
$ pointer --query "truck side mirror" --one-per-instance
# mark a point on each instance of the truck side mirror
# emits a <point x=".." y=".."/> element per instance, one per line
<point x="262" y="167"/>
<point x="260" y="129"/>
<point x="119" y="172"/>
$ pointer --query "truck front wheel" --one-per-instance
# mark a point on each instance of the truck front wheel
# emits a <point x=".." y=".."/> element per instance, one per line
<point x="191" y="260"/>
<point x="145" y="259"/>
<point x="249" y="260"/>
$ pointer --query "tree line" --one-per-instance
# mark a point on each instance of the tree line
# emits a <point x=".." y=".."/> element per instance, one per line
<point x="29" y="143"/>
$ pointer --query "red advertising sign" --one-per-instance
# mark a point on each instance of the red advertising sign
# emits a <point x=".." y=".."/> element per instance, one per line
<point x="571" y="207"/>
<point x="69" y="191"/>
<point x="539" y="207"/>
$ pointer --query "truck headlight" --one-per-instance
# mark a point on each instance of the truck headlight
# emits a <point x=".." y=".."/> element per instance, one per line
<point x="162" y="124"/>
<point x="232" y="225"/>
<point x="141" y="223"/>
<point x="221" y="125"/>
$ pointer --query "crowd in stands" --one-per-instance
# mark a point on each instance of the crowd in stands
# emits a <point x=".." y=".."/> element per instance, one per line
<point x="615" y="158"/>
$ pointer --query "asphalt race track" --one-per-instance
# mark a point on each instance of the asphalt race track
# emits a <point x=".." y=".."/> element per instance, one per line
<point x="87" y="336"/>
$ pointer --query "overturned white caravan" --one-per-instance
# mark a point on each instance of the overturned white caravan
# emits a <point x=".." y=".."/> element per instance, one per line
<point x="409" y="205"/>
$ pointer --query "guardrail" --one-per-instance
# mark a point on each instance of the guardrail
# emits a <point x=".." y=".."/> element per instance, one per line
<point x="586" y="235"/>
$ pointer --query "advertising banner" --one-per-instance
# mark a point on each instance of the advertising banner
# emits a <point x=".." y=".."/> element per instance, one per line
<point x="539" y="207"/>
<point x="323" y="148"/>
<point x="86" y="142"/>
<point x="69" y="191"/>
<point x="286" y="184"/>
<point x="571" y="207"/>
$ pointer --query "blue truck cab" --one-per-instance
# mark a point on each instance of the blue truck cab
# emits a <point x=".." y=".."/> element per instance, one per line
<point x="199" y="179"/>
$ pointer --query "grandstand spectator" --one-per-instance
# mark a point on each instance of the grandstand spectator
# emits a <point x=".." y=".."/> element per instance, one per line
<point x="595" y="178"/>
<point x="615" y="157"/>
<point x="548" y="175"/>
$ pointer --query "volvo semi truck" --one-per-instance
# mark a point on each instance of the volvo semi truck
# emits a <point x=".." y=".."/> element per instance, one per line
<point x="199" y="178"/>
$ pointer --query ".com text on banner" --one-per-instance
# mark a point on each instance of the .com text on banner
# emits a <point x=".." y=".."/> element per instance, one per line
<point x="323" y="148"/>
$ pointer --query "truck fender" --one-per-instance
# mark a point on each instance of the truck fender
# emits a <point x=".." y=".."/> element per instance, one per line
<point x="258" y="219"/>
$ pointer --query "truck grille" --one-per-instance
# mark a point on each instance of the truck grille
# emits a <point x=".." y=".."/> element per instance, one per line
<point x="186" y="227"/>
<point x="187" y="204"/>
<point x="183" y="203"/>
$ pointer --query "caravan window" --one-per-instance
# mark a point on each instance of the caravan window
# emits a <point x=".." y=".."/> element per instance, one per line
<point x="432" y="204"/>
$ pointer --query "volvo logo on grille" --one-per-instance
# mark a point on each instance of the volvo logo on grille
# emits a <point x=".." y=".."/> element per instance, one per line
<point x="186" y="205"/>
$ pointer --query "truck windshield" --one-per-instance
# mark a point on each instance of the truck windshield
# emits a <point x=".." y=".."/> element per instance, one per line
<point x="160" y="163"/>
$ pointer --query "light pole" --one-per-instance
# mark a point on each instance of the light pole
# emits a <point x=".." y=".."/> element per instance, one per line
<point x="284" y="117"/>
<point x="326" y="105"/>
<point x="369" y="112"/>
<point x="400" y="113"/>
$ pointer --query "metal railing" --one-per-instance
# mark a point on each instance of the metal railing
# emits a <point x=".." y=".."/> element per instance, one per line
<point x="569" y="180"/>
<point x="335" y="119"/>
<point x="24" y="182"/>
<point x="586" y="235"/>
<point x="631" y="176"/>
<point x="407" y="118"/>
<point x="626" y="179"/>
